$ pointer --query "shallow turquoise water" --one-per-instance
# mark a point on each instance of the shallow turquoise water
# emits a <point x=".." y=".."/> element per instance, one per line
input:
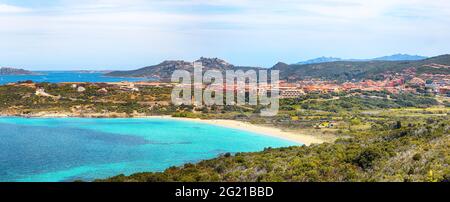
<point x="63" y="76"/>
<point x="67" y="149"/>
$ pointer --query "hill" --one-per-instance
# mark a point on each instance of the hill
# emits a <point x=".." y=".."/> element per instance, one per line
<point x="319" y="60"/>
<point x="395" y="57"/>
<point x="406" y="151"/>
<point x="14" y="71"/>
<point x="338" y="70"/>
<point x="348" y="70"/>
<point x="164" y="70"/>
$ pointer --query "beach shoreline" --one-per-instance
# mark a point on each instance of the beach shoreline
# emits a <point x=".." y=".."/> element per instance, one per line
<point x="233" y="124"/>
<point x="258" y="129"/>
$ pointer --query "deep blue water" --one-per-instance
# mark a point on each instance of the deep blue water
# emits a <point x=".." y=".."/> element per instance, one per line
<point x="67" y="149"/>
<point x="63" y="76"/>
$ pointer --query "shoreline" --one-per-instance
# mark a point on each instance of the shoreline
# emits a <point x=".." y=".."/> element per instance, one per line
<point x="257" y="129"/>
<point x="232" y="124"/>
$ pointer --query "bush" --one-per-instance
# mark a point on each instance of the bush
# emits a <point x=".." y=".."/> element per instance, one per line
<point x="417" y="157"/>
<point x="368" y="156"/>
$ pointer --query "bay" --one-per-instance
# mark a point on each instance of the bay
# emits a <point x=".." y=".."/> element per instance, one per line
<point x="68" y="149"/>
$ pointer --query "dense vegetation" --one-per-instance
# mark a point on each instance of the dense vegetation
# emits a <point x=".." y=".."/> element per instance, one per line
<point x="345" y="70"/>
<point x="407" y="150"/>
<point x="335" y="102"/>
<point x="377" y="140"/>
<point x="379" y="136"/>
<point x="22" y="100"/>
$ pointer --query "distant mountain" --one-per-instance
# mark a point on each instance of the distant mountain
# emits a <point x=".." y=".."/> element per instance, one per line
<point x="319" y="60"/>
<point x="348" y="70"/>
<point x="164" y="70"/>
<point x="401" y="57"/>
<point x="395" y="57"/>
<point x="14" y="71"/>
<point x="337" y="70"/>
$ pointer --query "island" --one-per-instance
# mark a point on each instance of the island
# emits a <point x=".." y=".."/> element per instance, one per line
<point x="14" y="71"/>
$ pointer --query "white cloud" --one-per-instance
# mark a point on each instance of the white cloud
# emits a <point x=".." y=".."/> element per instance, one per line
<point x="4" y="8"/>
<point x="254" y="31"/>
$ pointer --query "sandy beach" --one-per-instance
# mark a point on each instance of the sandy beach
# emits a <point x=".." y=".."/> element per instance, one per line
<point x="263" y="130"/>
<point x="259" y="129"/>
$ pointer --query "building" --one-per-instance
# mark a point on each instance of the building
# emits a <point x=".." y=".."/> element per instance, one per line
<point x="291" y="93"/>
<point x="417" y="82"/>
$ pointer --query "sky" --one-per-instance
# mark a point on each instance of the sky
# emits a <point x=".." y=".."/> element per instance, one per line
<point x="117" y="34"/>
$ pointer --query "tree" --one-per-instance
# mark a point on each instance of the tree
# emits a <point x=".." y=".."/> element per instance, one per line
<point x="398" y="125"/>
<point x="367" y="157"/>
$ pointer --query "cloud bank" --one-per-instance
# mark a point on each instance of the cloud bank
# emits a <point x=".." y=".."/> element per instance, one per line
<point x="114" y="34"/>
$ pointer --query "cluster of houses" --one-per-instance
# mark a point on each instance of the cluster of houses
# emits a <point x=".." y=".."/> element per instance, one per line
<point x="437" y="84"/>
<point x="394" y="83"/>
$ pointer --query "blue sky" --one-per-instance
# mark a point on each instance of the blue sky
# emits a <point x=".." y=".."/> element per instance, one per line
<point x="117" y="34"/>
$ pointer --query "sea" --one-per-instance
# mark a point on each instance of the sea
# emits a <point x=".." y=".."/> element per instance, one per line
<point x="70" y="149"/>
<point x="65" y="76"/>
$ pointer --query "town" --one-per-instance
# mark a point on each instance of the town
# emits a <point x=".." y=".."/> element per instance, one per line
<point x="395" y="83"/>
<point x="405" y="82"/>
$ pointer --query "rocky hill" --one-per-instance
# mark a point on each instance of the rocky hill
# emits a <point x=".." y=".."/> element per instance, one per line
<point x="164" y="70"/>
<point x="14" y="71"/>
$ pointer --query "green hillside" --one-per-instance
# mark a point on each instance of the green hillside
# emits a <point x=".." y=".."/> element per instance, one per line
<point x="404" y="138"/>
<point x="344" y="70"/>
<point x="340" y="70"/>
<point x="408" y="150"/>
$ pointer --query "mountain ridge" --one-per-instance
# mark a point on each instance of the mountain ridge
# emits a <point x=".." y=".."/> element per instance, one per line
<point x="394" y="57"/>
<point x="337" y="70"/>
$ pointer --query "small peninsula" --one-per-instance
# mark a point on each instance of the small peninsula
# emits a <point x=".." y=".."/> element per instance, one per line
<point x="14" y="71"/>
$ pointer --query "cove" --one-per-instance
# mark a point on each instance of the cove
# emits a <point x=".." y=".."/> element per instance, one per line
<point x="68" y="149"/>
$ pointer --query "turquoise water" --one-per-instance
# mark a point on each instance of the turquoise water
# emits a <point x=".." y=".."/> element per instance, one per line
<point x="67" y="149"/>
<point x="63" y="76"/>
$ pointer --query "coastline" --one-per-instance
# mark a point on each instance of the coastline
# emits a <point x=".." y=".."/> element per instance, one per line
<point x="258" y="129"/>
<point x="233" y="124"/>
